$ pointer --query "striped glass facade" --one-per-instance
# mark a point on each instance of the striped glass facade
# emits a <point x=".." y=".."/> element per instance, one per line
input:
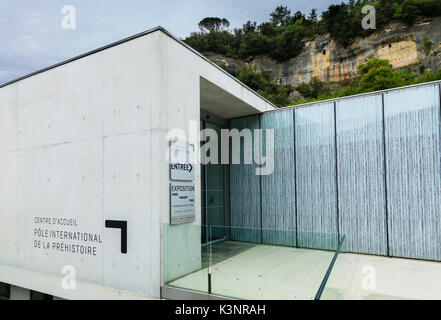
<point x="278" y="189"/>
<point x="367" y="167"/>
<point x="315" y="176"/>
<point x="412" y="120"/>
<point x="245" y="191"/>
<point x="361" y="179"/>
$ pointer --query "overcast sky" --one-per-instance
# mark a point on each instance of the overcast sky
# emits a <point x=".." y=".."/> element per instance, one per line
<point x="32" y="37"/>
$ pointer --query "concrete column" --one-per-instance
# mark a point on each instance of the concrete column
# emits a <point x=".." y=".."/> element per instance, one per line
<point x="18" y="293"/>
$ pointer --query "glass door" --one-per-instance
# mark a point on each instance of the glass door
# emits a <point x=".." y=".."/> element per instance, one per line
<point x="214" y="189"/>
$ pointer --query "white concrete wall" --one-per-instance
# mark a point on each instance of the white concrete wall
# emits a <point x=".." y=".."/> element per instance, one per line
<point x="80" y="141"/>
<point x="87" y="140"/>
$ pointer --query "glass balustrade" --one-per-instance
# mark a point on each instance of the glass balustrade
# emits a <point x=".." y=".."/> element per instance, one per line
<point x="246" y="264"/>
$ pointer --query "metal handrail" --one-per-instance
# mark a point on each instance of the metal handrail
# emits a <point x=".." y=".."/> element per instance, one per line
<point x="328" y="273"/>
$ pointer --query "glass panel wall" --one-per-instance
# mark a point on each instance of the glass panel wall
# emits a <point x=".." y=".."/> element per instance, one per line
<point x="204" y="235"/>
<point x="316" y="175"/>
<point x="412" y="118"/>
<point x="278" y="188"/>
<point x="35" y="295"/>
<point x="215" y="188"/>
<point x="361" y="184"/>
<point x="183" y="254"/>
<point x="5" y="291"/>
<point x="245" y="190"/>
<point x="368" y="167"/>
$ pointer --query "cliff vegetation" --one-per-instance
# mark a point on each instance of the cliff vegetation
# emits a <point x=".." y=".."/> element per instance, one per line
<point x="297" y="58"/>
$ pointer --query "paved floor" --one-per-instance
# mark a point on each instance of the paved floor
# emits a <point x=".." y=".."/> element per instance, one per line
<point x="248" y="271"/>
<point x="261" y="272"/>
<point x="223" y="251"/>
<point x="357" y="276"/>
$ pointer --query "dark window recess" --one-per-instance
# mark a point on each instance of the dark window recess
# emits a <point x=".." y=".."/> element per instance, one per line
<point x="35" y="295"/>
<point x="390" y="45"/>
<point x="5" y="291"/>
<point x="324" y="52"/>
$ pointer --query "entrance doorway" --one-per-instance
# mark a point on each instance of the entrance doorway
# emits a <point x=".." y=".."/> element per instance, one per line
<point x="215" y="192"/>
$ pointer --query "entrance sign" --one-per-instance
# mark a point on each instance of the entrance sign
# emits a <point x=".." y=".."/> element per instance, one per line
<point x="182" y="206"/>
<point x="182" y="161"/>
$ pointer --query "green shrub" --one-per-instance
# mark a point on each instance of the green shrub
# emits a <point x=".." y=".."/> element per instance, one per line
<point x="372" y="64"/>
<point x="374" y="75"/>
<point x="313" y="89"/>
<point x="428" y="44"/>
<point x="262" y="83"/>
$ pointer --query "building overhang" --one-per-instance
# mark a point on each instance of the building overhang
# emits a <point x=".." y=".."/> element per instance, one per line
<point x="222" y="103"/>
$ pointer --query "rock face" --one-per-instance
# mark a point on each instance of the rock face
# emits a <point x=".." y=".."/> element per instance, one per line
<point x="324" y="59"/>
<point x="229" y="63"/>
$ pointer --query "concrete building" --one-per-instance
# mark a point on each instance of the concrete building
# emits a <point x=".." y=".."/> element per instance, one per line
<point x="86" y="140"/>
<point x="92" y="209"/>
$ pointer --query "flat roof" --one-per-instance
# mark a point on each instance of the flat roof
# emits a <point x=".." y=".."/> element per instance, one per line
<point x="138" y="35"/>
<point x="307" y="104"/>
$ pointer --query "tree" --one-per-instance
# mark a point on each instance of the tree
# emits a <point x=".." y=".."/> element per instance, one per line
<point x="280" y="15"/>
<point x="385" y="11"/>
<point x="213" y="24"/>
<point x="313" y="15"/>
<point x="249" y="27"/>
<point x="408" y="11"/>
<point x="297" y="16"/>
<point x="268" y="29"/>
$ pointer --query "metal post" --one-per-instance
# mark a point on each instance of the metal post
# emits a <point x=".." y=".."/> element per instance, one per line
<point x="209" y="264"/>
<point x="295" y="178"/>
<point x="385" y="177"/>
<point x="336" y="172"/>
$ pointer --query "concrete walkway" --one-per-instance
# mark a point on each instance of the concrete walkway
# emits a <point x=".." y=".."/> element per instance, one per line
<point x="357" y="276"/>
<point x="272" y="272"/>
<point x="263" y="272"/>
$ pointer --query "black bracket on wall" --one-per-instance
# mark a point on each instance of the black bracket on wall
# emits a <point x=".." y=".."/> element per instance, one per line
<point x="116" y="224"/>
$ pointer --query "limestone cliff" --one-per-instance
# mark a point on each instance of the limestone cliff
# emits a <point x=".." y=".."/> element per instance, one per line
<point x="323" y="58"/>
